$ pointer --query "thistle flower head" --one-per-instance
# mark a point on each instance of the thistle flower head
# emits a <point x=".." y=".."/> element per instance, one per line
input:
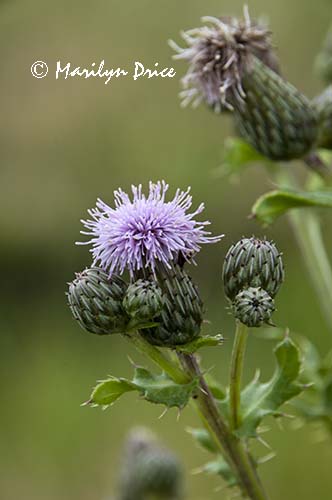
<point x="253" y="307"/>
<point x="145" y="231"/>
<point x="218" y="54"/>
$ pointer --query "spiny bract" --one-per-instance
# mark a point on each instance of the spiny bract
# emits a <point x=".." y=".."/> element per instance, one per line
<point x="96" y="301"/>
<point x="253" y="307"/>
<point x="252" y="262"/>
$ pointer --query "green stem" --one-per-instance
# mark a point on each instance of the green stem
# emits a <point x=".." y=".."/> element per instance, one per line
<point x="239" y="347"/>
<point x="158" y="357"/>
<point x="231" y="446"/>
<point x="308" y="233"/>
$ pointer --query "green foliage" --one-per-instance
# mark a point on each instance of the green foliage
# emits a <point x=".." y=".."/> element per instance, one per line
<point x="204" y="439"/>
<point x="275" y="203"/>
<point x="260" y="400"/>
<point x="221" y="467"/>
<point x="206" y="341"/>
<point x="158" y="389"/>
<point x="316" y="401"/>
<point x="238" y="155"/>
<point x="108" y="391"/>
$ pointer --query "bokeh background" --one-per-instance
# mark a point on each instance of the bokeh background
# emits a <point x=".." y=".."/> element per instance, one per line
<point x="63" y="144"/>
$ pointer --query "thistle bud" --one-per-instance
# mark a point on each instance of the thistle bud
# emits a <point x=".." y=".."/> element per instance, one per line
<point x="232" y="66"/>
<point x="253" y="307"/>
<point x="252" y="263"/>
<point x="143" y="300"/>
<point x="323" y="105"/>
<point x="149" y="470"/>
<point x="273" y="116"/>
<point x="182" y="314"/>
<point x="324" y="59"/>
<point x="96" y="301"/>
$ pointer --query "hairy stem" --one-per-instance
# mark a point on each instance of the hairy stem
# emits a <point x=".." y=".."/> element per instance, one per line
<point x="232" y="447"/>
<point x="239" y="346"/>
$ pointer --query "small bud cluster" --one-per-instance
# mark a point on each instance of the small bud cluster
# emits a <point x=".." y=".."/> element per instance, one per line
<point x="252" y="274"/>
<point x="165" y="309"/>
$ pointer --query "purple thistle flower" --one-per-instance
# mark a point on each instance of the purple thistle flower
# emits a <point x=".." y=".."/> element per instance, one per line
<point x="145" y="231"/>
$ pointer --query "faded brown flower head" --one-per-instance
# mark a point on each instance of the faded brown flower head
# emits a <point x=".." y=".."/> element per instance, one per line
<point x="218" y="54"/>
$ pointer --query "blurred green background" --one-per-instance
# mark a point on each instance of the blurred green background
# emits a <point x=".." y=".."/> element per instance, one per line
<point x="63" y="144"/>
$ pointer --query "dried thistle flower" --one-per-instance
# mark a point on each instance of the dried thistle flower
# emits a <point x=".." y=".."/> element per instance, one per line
<point x="218" y="54"/>
<point x="232" y="66"/>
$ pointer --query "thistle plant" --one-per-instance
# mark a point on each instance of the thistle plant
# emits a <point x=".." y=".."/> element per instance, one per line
<point x="232" y="65"/>
<point x="143" y="291"/>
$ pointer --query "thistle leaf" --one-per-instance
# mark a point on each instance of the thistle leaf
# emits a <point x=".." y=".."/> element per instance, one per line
<point x="272" y="205"/>
<point x="203" y="438"/>
<point x="316" y="402"/>
<point x="158" y="389"/>
<point x="206" y="341"/>
<point x="264" y="399"/>
<point x="221" y="468"/>
<point x="108" y="391"/>
<point x="238" y="155"/>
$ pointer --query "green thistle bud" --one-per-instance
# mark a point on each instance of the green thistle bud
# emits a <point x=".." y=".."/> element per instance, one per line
<point x="273" y="116"/>
<point x="253" y="307"/>
<point x="96" y="301"/>
<point x="232" y="65"/>
<point x="252" y="263"/>
<point x="143" y="300"/>
<point x="323" y="105"/>
<point x="149" y="470"/>
<point x="324" y="60"/>
<point x="182" y="313"/>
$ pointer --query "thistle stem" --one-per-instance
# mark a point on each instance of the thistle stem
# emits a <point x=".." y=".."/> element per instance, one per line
<point x="232" y="447"/>
<point x="309" y="237"/>
<point x="158" y="357"/>
<point x="308" y="233"/>
<point x="239" y="347"/>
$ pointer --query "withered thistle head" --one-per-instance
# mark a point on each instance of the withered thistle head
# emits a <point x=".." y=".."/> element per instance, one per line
<point x="218" y="54"/>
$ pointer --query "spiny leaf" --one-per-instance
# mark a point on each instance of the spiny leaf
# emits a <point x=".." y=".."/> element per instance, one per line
<point x="203" y="438"/>
<point x="108" y="391"/>
<point x="206" y="341"/>
<point x="259" y="400"/>
<point x="215" y="387"/>
<point x="316" y="401"/>
<point x="159" y="389"/>
<point x="221" y="467"/>
<point x="275" y="203"/>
